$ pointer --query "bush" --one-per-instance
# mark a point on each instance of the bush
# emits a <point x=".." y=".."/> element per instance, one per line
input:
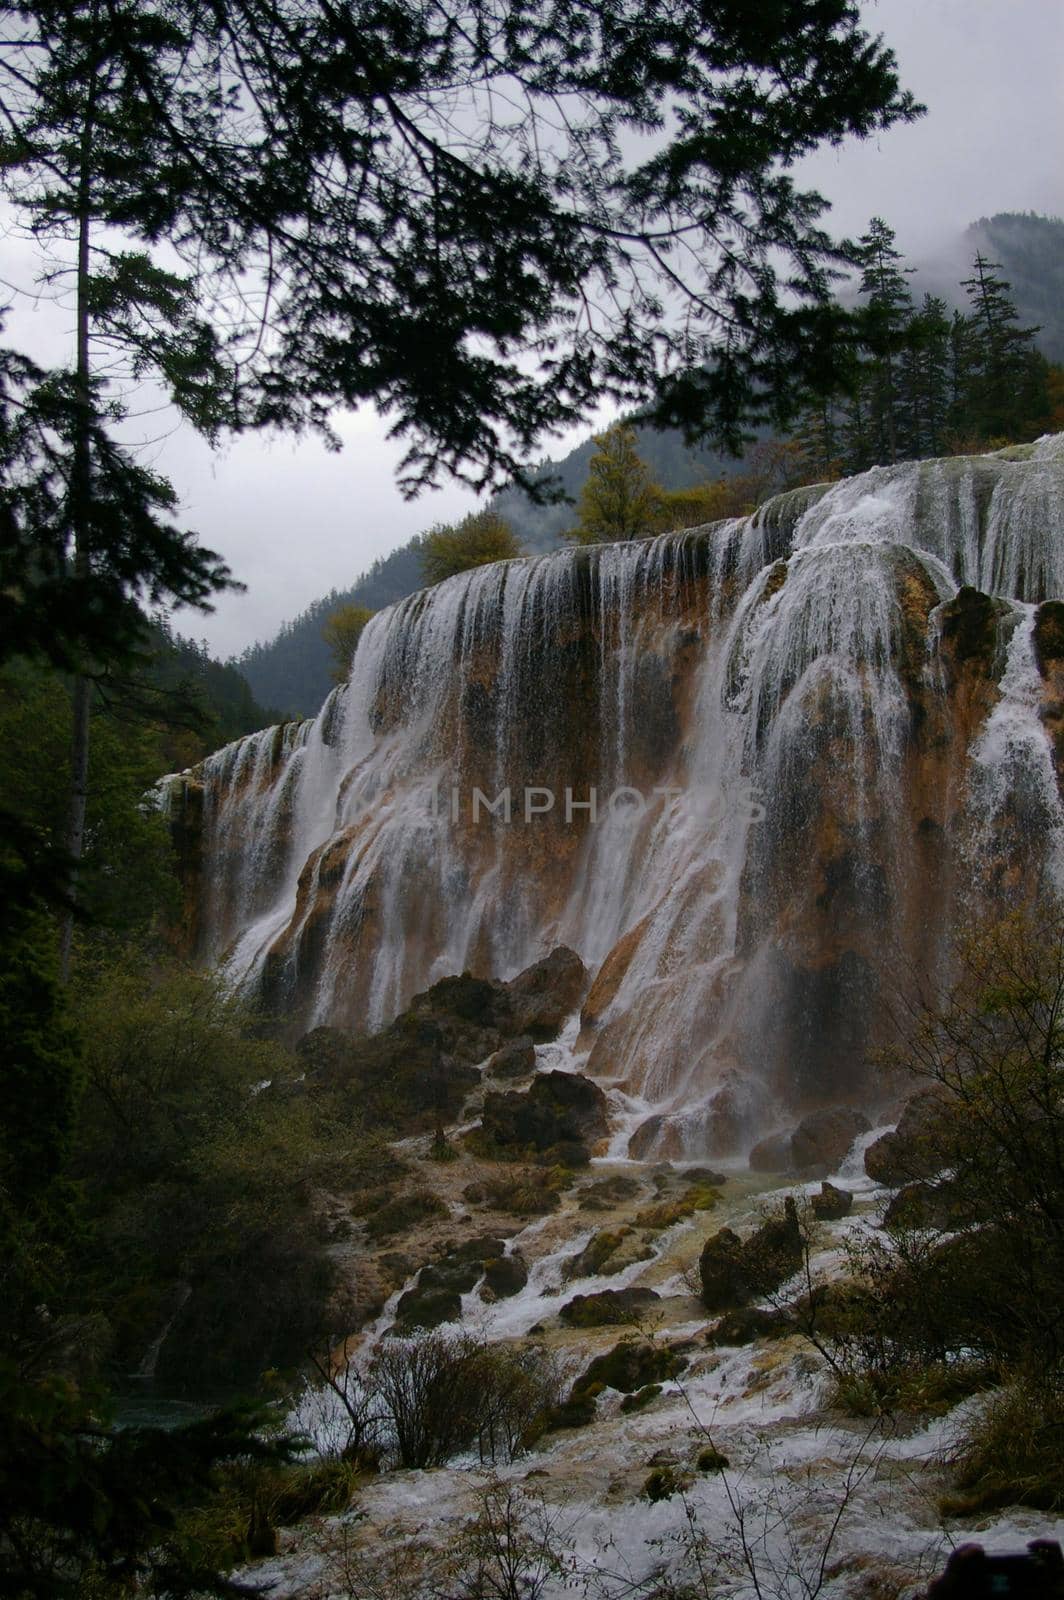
<point x="442" y="1395"/>
<point x="1012" y="1451"/>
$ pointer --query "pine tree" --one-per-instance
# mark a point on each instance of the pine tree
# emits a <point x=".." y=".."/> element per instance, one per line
<point x="1006" y="397"/>
<point x="924" y="381"/>
<point x="884" y="319"/>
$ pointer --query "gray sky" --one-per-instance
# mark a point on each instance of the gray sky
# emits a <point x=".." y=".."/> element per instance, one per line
<point x="295" y="521"/>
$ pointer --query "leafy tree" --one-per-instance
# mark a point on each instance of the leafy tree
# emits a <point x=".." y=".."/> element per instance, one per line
<point x="618" y="501"/>
<point x="479" y="539"/>
<point x="342" y="631"/>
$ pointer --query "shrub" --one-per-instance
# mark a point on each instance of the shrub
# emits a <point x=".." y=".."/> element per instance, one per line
<point x="441" y="1395"/>
<point x="1011" y="1452"/>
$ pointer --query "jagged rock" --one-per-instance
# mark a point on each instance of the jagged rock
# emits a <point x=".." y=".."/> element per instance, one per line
<point x="747" y="1323"/>
<point x="832" y="1203"/>
<point x="909" y="1152"/>
<point x="505" y="1275"/>
<point x="733" y="1272"/>
<point x="720" y="1268"/>
<point x="515" y="1060"/>
<point x="558" y="1117"/>
<point x="630" y="1365"/>
<point x="823" y="1139"/>
<point x="608" y="1308"/>
<point x="543" y="996"/>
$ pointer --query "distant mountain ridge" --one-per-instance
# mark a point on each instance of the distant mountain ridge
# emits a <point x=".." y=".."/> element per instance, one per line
<point x="292" y="670"/>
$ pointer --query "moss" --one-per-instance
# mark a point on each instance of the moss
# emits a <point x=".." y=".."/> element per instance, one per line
<point x="402" y="1213"/>
<point x="608" y="1308"/>
<point x="711" y="1460"/>
<point x="663" y="1482"/>
<point x="632" y="1364"/>
<point x="668" y="1212"/>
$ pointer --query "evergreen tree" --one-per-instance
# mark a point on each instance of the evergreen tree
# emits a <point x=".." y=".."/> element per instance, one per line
<point x="1006" y="391"/>
<point x="618" y="501"/>
<point x="924" y="381"/>
<point x="884" y="320"/>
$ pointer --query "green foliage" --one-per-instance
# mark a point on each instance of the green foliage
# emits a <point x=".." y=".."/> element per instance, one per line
<point x="618" y="501"/>
<point x="88" y="1510"/>
<point x="199" y="1189"/>
<point x="479" y="539"/>
<point x="342" y="630"/>
<point x="1008" y="1452"/>
<point x="917" y="382"/>
<point x="38" y="1063"/>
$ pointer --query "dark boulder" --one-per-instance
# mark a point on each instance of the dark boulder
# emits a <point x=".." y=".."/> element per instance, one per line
<point x="733" y="1271"/>
<point x="504" y="1276"/>
<point x="631" y="1365"/>
<point x="545" y="995"/>
<point x="517" y="1059"/>
<point x="426" y="1308"/>
<point x="747" y="1323"/>
<point x="913" y="1150"/>
<point x="832" y="1203"/>
<point x="608" y="1308"/>
<point x="557" y="1118"/>
<point x="823" y="1139"/>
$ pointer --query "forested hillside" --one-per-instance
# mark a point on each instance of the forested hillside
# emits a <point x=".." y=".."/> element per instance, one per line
<point x="292" y="670"/>
<point x="1030" y="250"/>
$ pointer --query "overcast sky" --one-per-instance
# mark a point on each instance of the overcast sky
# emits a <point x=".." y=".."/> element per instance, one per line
<point x="295" y="521"/>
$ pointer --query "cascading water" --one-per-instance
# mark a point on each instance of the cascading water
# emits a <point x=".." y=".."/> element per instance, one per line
<point x="797" y="746"/>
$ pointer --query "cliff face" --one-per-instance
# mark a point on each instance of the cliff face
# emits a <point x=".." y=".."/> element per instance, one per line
<point x="816" y="739"/>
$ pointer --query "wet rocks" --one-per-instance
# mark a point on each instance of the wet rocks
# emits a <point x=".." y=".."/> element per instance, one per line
<point x="824" y="1138"/>
<point x="436" y="1296"/>
<point x="418" y="1070"/>
<point x="545" y="994"/>
<point x="504" y="1276"/>
<point x="608" y="1308"/>
<point x="746" y="1324"/>
<point x="514" y="1060"/>
<point x="631" y="1365"/>
<point x="556" y="1119"/>
<point x="817" y="1146"/>
<point x="733" y="1271"/>
<point x="607" y="1252"/>
<point x="911" y="1151"/>
<point x="832" y="1203"/>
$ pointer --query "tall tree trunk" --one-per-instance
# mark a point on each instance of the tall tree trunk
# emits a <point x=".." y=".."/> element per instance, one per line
<point x="80" y="513"/>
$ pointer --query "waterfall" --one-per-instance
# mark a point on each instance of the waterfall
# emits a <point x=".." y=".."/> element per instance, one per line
<point x="740" y="769"/>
